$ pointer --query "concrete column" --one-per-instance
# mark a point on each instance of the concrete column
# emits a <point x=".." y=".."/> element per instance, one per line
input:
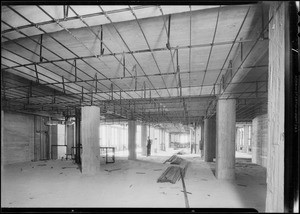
<point x="209" y="139"/>
<point x="246" y="137"/>
<point x="237" y="139"/>
<point x="90" y="122"/>
<point x="163" y="140"/>
<point x="201" y="135"/>
<point x="2" y="142"/>
<point x="278" y="65"/>
<point x="260" y="140"/>
<point x="191" y="143"/>
<point x="70" y="137"/>
<point x="144" y="139"/>
<point x="54" y="141"/>
<point x="131" y="140"/>
<point x="225" y="154"/>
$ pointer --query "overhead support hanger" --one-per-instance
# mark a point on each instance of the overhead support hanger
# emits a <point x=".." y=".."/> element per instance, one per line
<point x="75" y="64"/>
<point x="29" y="92"/>
<point x="37" y="74"/>
<point x="230" y="69"/>
<point x="262" y="21"/>
<point x="178" y="74"/>
<point x="82" y="98"/>
<point x="124" y="65"/>
<point x="101" y="42"/>
<point x="96" y="80"/>
<point x="92" y="98"/>
<point x="66" y="11"/>
<point x="135" y="77"/>
<point x="169" y="29"/>
<point x="63" y="82"/>
<point x="41" y="48"/>
<point x="144" y="89"/>
<point x="241" y="45"/>
<point x="112" y="91"/>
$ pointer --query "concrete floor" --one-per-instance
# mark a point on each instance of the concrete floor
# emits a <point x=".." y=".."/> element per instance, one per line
<point x="60" y="184"/>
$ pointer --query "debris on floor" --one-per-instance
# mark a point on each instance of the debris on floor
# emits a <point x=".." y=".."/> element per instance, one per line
<point x="186" y="192"/>
<point x="69" y="167"/>
<point x="42" y="165"/>
<point x="172" y="173"/>
<point x="110" y="170"/>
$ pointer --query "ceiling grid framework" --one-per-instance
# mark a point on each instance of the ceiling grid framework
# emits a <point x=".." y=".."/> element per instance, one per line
<point x="156" y="64"/>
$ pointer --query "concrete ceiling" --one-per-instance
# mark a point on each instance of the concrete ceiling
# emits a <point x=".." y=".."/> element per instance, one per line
<point x="158" y="64"/>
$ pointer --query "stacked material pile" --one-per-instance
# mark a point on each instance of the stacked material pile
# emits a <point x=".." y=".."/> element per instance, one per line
<point x="173" y="173"/>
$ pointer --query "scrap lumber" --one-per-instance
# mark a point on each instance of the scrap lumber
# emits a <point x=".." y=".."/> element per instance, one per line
<point x="110" y="170"/>
<point x="184" y="191"/>
<point x="171" y="159"/>
<point x="172" y="173"/>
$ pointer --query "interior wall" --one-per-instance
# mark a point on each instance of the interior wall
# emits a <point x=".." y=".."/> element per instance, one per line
<point x="18" y="138"/>
<point x="260" y="140"/>
<point x="41" y="139"/>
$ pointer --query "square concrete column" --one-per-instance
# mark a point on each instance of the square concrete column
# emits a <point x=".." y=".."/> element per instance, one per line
<point x="209" y="139"/>
<point x="201" y="143"/>
<point x="70" y="137"/>
<point x="144" y="139"/>
<point x="90" y="122"/>
<point x="246" y="137"/>
<point x="225" y="154"/>
<point x="131" y="140"/>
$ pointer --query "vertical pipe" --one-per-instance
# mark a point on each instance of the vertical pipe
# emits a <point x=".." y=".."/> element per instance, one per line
<point x="77" y="121"/>
<point x="41" y="138"/>
<point x="50" y="138"/>
<point x="34" y="140"/>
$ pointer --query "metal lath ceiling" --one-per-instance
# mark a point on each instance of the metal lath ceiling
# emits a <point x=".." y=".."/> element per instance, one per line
<point x="161" y="64"/>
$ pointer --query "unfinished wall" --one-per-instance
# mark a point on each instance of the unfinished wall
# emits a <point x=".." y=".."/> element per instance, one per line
<point x="18" y="138"/>
<point x="275" y="165"/>
<point x="260" y="140"/>
<point x="70" y="138"/>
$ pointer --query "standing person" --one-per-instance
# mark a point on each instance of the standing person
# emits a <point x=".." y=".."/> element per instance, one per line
<point x="148" y="146"/>
<point x="201" y="148"/>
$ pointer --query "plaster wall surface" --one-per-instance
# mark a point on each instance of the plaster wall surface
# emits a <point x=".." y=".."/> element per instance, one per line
<point x="260" y="140"/>
<point x="275" y="162"/>
<point x="18" y="138"/>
